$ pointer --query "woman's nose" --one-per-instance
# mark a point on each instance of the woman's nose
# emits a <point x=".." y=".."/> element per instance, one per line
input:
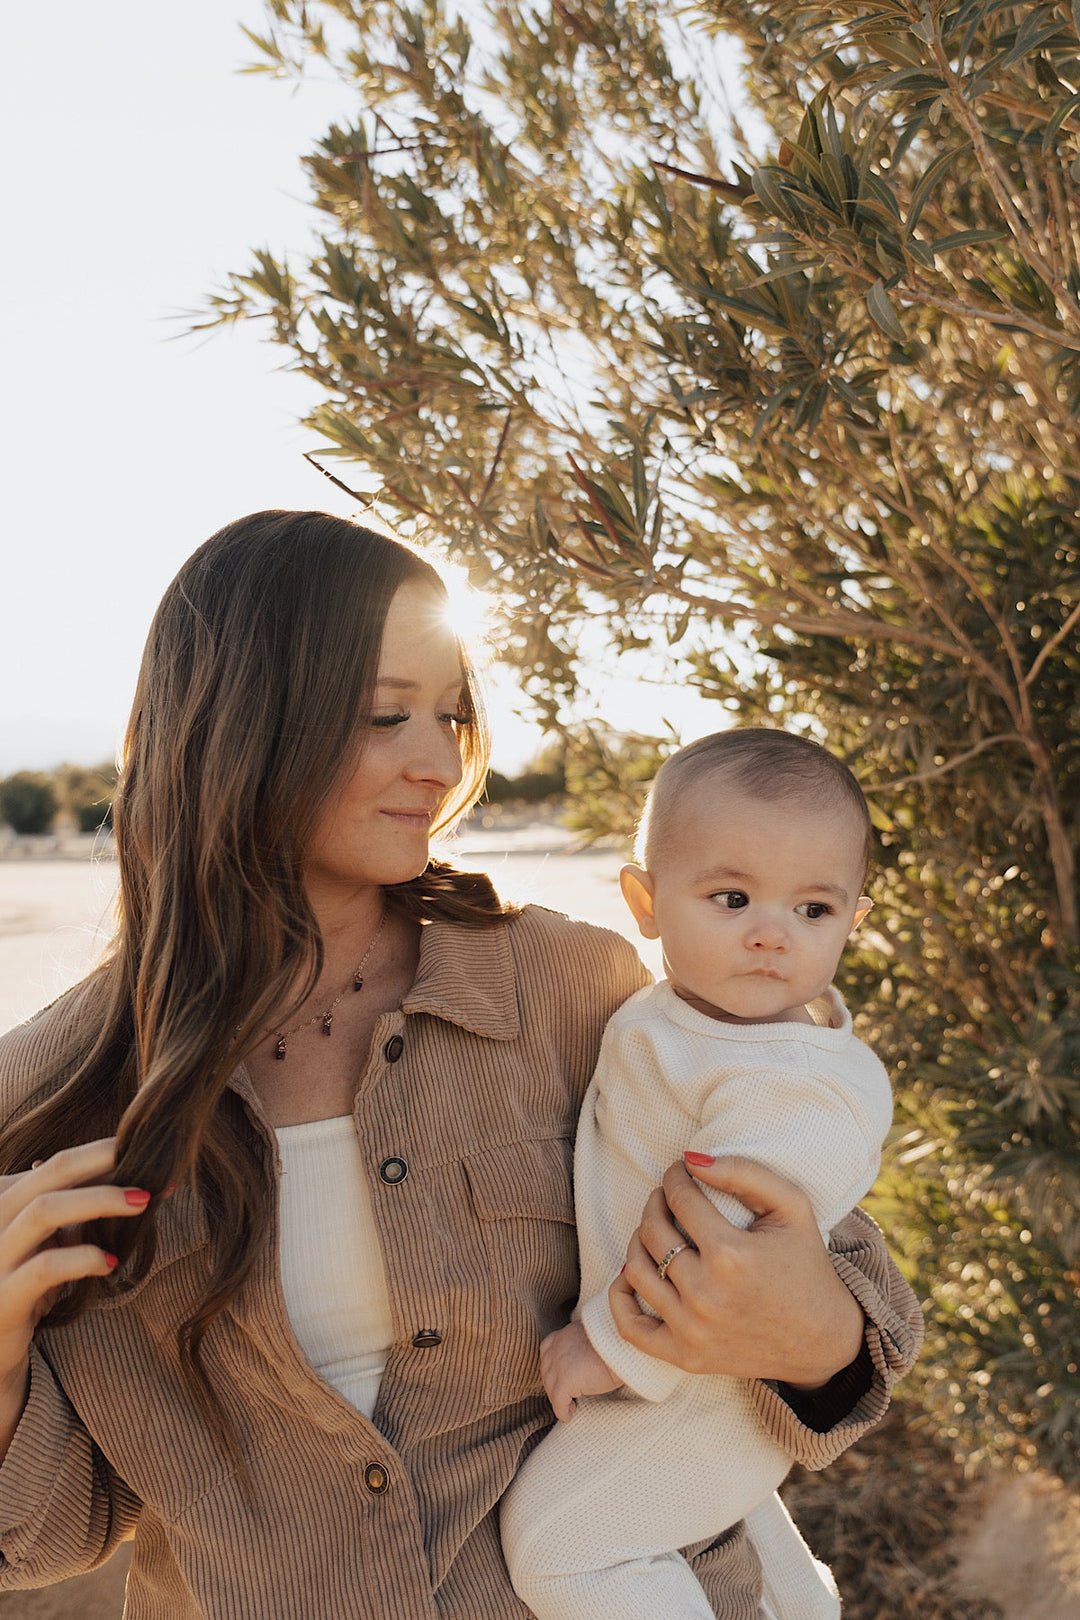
<point x="438" y="760"/>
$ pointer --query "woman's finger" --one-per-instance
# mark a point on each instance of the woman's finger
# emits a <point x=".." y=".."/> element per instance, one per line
<point x="662" y="1294"/>
<point x="45" y="1218"/>
<point x="71" y="1167"/>
<point x="658" y="1230"/>
<point x="648" y="1333"/>
<point x="768" y="1196"/>
<point x="23" y="1290"/>
<point x="29" y="1292"/>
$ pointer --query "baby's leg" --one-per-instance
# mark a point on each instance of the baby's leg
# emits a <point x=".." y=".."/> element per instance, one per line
<point x="593" y="1523"/>
<point x="795" y="1585"/>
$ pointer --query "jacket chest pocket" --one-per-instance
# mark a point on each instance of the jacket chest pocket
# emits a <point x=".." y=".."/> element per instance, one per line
<point x="522" y="1196"/>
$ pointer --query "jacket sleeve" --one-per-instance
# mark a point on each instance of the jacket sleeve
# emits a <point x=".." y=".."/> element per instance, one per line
<point x="63" y="1510"/>
<point x="818" y="1427"/>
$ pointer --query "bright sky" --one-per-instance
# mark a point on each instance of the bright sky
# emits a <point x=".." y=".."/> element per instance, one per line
<point x="140" y="169"/>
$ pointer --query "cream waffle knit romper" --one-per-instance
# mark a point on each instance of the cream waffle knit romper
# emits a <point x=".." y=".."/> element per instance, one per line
<point x="593" y="1523"/>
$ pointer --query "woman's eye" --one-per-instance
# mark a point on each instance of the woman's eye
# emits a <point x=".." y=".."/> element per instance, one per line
<point x="384" y="720"/>
<point x="456" y="719"/>
<point x="731" y="899"/>
<point x="814" y="909"/>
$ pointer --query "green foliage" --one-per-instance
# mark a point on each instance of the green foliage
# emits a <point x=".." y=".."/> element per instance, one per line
<point x="607" y="777"/>
<point x="27" y="802"/>
<point x="800" y="401"/>
<point x="535" y="786"/>
<point x="87" y="793"/>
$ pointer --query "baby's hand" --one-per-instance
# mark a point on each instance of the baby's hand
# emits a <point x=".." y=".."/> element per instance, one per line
<point x="571" y="1367"/>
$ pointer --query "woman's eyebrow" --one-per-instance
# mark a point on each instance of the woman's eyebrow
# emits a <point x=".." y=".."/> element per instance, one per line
<point x="401" y="683"/>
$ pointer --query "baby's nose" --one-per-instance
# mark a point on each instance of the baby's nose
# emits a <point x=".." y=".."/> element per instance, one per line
<point x="767" y="934"/>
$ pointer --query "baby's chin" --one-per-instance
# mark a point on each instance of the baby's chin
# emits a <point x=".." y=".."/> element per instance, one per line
<point x="742" y="1010"/>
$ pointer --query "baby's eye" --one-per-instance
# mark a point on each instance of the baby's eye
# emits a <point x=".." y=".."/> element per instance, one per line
<point x="731" y="899"/>
<point x="814" y="909"/>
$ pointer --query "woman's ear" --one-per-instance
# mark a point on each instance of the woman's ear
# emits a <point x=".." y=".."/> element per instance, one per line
<point x="637" y="891"/>
<point x="862" y="906"/>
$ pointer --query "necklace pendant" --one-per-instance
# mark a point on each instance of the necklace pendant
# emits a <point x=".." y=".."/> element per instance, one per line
<point x="279" y="1048"/>
<point x="358" y="983"/>
<point x="327" y="1020"/>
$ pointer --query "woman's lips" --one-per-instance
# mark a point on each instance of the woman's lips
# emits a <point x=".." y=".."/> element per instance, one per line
<point x="412" y="818"/>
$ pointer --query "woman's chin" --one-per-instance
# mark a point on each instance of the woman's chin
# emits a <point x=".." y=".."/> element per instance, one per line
<point x="405" y="870"/>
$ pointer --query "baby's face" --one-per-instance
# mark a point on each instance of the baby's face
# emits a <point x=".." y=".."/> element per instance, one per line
<point x="753" y="902"/>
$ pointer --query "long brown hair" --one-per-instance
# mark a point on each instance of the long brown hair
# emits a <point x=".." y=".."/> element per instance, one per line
<point x="258" y="673"/>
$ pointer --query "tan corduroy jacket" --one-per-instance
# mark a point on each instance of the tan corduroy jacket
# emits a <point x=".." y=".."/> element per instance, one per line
<point x="466" y="1112"/>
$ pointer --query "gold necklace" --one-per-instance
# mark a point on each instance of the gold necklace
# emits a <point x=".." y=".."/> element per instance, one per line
<point x="356" y="982"/>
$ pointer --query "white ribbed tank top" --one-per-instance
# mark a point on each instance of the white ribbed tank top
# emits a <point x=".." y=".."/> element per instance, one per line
<point x="332" y="1273"/>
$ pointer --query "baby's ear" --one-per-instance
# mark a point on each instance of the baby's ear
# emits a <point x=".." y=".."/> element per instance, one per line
<point x="862" y="906"/>
<point x="637" y="891"/>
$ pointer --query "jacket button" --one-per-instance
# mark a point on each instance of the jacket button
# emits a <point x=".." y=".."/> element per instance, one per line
<point x="376" y="1479"/>
<point x="392" y="1171"/>
<point x="393" y="1048"/>
<point x="427" y="1338"/>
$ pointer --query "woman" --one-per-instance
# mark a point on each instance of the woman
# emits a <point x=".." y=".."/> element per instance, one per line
<point x="325" y="1090"/>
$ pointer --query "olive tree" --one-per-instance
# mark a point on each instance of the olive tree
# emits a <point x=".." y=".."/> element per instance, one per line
<point x="753" y="333"/>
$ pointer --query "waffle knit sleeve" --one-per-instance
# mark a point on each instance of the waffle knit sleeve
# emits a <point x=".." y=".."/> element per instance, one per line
<point x="810" y="1105"/>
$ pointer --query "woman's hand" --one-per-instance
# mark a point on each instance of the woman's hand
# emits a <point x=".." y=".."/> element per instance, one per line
<point x="759" y="1303"/>
<point x="42" y="1212"/>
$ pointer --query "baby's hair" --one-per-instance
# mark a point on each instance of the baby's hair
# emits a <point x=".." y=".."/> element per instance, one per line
<point x="763" y="763"/>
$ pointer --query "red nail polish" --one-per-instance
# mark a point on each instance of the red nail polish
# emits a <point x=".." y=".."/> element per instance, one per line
<point x="111" y="1261"/>
<point x="136" y="1197"/>
<point x="700" y="1158"/>
<point x="622" y="1268"/>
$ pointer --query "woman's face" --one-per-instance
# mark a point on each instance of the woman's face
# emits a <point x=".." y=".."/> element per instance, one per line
<point x="376" y="826"/>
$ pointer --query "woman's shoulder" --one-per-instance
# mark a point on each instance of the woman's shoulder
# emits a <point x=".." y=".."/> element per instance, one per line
<point x="557" y="926"/>
<point x="32" y="1050"/>
<point x="551" y="946"/>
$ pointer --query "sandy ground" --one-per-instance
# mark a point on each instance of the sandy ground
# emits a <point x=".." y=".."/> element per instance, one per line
<point x="99" y="1596"/>
<point x="1020" y="1545"/>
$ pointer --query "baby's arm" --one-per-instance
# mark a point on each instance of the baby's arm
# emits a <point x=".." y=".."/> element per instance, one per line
<point x="571" y="1367"/>
<point x="816" y="1129"/>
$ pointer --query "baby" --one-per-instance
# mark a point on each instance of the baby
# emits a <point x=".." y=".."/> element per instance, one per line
<point x="754" y="850"/>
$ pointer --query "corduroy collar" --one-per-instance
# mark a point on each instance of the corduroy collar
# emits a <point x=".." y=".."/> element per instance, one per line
<point x="467" y="977"/>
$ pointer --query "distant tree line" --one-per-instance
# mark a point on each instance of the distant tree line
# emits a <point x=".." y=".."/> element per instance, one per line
<point x="541" y="782"/>
<point x="31" y="801"/>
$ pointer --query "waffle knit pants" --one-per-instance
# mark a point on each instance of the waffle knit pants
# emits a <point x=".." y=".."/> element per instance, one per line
<point x="594" y="1520"/>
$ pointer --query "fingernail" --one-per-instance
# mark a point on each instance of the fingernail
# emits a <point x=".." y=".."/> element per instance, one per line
<point x="136" y="1197"/>
<point x="111" y="1261"/>
<point x="622" y="1268"/>
<point x="700" y="1158"/>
